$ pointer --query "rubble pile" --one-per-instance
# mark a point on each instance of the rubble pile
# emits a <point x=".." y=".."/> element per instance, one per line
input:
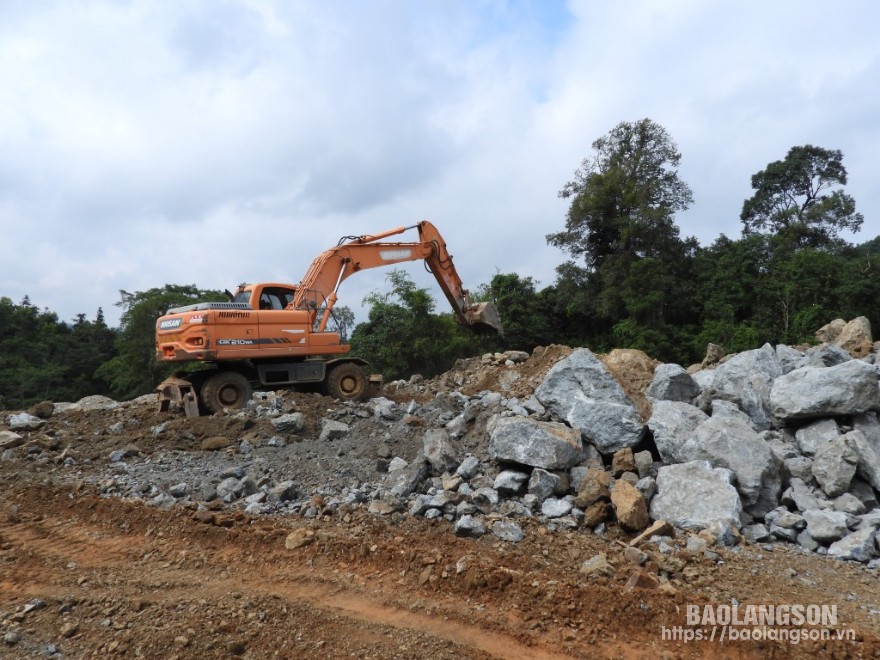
<point x="777" y="444"/>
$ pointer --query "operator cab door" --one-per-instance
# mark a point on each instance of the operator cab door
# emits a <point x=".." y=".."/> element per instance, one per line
<point x="282" y="330"/>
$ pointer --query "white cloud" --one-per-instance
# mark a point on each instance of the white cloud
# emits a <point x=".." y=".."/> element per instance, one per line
<point x="216" y="142"/>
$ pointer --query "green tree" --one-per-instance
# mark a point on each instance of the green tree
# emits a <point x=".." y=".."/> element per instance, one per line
<point x="624" y="198"/>
<point x="403" y="336"/>
<point x="799" y="199"/>
<point x="135" y="371"/>
<point x="621" y="223"/>
<point x="526" y="320"/>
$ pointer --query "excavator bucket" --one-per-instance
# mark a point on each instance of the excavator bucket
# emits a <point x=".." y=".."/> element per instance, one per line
<point x="483" y="318"/>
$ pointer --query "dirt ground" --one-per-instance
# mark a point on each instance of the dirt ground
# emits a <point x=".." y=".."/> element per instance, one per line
<point x="84" y="573"/>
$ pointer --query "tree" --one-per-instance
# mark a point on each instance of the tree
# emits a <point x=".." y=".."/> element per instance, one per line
<point x="621" y="223"/>
<point x="623" y="199"/>
<point x="403" y="336"/>
<point x="526" y="321"/>
<point x="799" y="200"/>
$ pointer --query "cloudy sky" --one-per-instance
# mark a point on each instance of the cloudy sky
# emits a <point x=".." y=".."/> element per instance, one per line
<point x="215" y="142"/>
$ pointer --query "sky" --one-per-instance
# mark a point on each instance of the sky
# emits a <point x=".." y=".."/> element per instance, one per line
<point x="214" y="142"/>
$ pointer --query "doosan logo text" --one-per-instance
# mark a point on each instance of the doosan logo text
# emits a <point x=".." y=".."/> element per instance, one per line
<point x="169" y="324"/>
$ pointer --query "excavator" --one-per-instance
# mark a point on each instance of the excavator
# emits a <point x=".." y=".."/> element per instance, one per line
<point x="273" y="334"/>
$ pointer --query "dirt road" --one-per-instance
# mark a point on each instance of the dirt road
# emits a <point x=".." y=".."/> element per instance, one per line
<point x="86" y="576"/>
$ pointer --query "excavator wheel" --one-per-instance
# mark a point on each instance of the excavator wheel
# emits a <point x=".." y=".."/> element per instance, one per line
<point x="227" y="389"/>
<point x="346" y="381"/>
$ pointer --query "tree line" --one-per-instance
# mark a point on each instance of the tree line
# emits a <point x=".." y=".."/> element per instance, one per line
<point x="630" y="280"/>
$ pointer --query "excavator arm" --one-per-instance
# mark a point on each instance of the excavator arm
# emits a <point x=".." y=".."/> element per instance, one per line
<point x="357" y="253"/>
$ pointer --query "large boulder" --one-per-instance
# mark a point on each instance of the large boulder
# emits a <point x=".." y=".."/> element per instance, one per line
<point x="815" y="435"/>
<point x="672" y="423"/>
<point x="727" y="440"/>
<point x="548" y="445"/>
<point x="694" y="495"/>
<point x="672" y="382"/>
<point x="439" y="451"/>
<point x="855" y="337"/>
<point x="580" y="390"/>
<point x="867" y="446"/>
<point x="745" y="380"/>
<point x="812" y="392"/>
<point x="835" y="464"/>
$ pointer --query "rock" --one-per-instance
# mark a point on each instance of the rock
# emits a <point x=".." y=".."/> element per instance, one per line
<point x="405" y="480"/>
<point x="470" y="526"/>
<point x="858" y="546"/>
<point x="693" y="495"/>
<point x="180" y="490"/>
<point x="756" y="533"/>
<point x="867" y="447"/>
<point x="510" y="482"/>
<point x="595" y="485"/>
<point x="830" y="331"/>
<point x="96" y="402"/>
<point x="826" y="526"/>
<point x="815" y="435"/>
<point x="789" y="358"/>
<point x="24" y="422"/>
<point x="598" y="566"/>
<point x="800" y="496"/>
<point x="555" y="508"/>
<point x="43" y="409"/>
<point x="289" y="423"/>
<point x="629" y="507"/>
<point x="597" y="513"/>
<point x="672" y="383"/>
<point x="381" y="508"/>
<point x="647" y="487"/>
<point x="10" y="440"/>
<point x="855" y="337"/>
<point x="542" y="484"/>
<point x="727" y="440"/>
<point x="118" y="455"/>
<point x="439" y="452"/>
<point x="581" y="390"/>
<point x="299" y="538"/>
<point x="283" y="492"/>
<point x="333" y="430"/>
<point x="745" y="380"/>
<point x="485" y="499"/>
<point x="230" y="489"/>
<point x="826" y="355"/>
<point x="672" y="423"/>
<point x="810" y="392"/>
<point x="216" y="442"/>
<point x="835" y="464"/>
<point x="644" y="464"/>
<point x="507" y="531"/>
<point x="547" y="445"/>
<point x="623" y="461"/>
<point x="469" y="467"/>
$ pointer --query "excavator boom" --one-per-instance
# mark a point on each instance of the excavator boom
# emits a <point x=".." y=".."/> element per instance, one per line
<point x="332" y="267"/>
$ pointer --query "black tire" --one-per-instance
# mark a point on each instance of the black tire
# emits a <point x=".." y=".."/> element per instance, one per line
<point x="228" y="389"/>
<point x="346" y="381"/>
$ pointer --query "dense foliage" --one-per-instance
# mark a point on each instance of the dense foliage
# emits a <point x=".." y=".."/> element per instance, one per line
<point x="630" y="280"/>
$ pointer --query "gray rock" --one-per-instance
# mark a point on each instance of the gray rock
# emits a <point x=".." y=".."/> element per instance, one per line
<point x="644" y="464"/>
<point x="756" y="533"/>
<point x="485" y="499"/>
<point x="180" y="490"/>
<point x="542" y="484"/>
<point x="333" y="430"/>
<point x="782" y="518"/>
<point x="547" y="445"/>
<point x="745" y="380"/>
<point x="284" y="491"/>
<point x="848" y="503"/>
<point x="439" y="452"/>
<point x="799" y="467"/>
<point x="556" y="508"/>
<point x="581" y="390"/>
<point x="812" y="437"/>
<point x="290" y="423"/>
<point x="870" y="519"/>
<point x="858" y="546"/>
<point x="672" y="423"/>
<point x="810" y="392"/>
<point x="825" y="355"/>
<point x="826" y="526"/>
<point x="728" y="441"/>
<point x="801" y="496"/>
<point x="507" y="530"/>
<point x="405" y="481"/>
<point x="510" y="482"/>
<point x="789" y="358"/>
<point x="672" y="382"/>
<point x="807" y="542"/>
<point x="24" y="422"/>
<point x="469" y="467"/>
<point x="230" y="489"/>
<point x="647" y="487"/>
<point x="834" y="465"/>
<point x="10" y="440"/>
<point x="693" y="495"/>
<point x="868" y="448"/>
<point x="470" y="526"/>
<point x="96" y="402"/>
<point x="864" y="492"/>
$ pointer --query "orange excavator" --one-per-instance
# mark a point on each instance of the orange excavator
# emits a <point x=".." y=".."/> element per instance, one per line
<point x="273" y="334"/>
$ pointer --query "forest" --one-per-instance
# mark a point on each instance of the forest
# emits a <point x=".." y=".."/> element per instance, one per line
<point x="628" y="279"/>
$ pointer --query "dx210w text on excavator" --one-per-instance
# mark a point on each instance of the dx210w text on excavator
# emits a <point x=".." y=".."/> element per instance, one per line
<point x="274" y="334"/>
